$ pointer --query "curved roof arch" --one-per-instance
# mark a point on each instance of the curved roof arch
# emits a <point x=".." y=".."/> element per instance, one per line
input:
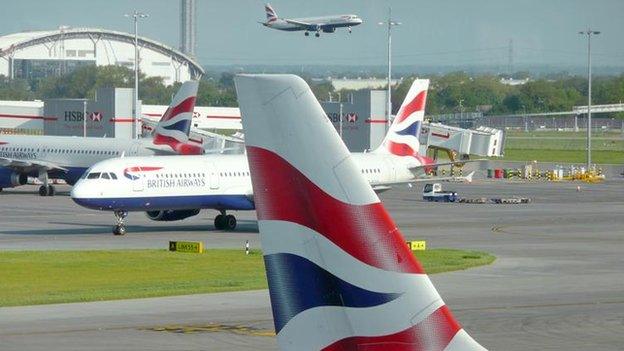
<point x="13" y="42"/>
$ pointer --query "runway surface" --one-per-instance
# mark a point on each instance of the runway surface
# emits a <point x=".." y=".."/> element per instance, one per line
<point x="558" y="282"/>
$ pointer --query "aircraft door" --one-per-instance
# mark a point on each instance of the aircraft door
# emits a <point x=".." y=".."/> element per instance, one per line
<point x="136" y="178"/>
<point x="212" y="175"/>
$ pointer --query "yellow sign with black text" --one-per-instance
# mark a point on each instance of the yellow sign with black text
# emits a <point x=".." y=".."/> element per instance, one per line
<point x="417" y="245"/>
<point x="186" y="246"/>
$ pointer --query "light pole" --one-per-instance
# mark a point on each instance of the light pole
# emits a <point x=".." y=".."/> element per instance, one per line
<point x="135" y="17"/>
<point x="389" y="23"/>
<point x="589" y="34"/>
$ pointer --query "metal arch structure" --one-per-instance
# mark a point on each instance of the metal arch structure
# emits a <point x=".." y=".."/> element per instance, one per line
<point x="87" y="33"/>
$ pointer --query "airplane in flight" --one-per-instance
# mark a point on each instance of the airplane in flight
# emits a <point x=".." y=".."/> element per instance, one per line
<point x="339" y="272"/>
<point x="325" y="24"/>
<point x="175" y="188"/>
<point x="68" y="157"/>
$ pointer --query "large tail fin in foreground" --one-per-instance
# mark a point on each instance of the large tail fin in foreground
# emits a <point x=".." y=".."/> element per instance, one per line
<point x="402" y="137"/>
<point x="175" y="125"/>
<point x="340" y="274"/>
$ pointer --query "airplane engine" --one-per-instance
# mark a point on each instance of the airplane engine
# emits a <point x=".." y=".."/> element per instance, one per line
<point x="11" y="179"/>
<point x="329" y="30"/>
<point x="171" y="215"/>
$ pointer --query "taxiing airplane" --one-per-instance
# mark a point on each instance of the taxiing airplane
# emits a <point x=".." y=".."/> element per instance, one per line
<point x="339" y="272"/>
<point x="175" y="188"/>
<point x="67" y="157"/>
<point x="325" y="24"/>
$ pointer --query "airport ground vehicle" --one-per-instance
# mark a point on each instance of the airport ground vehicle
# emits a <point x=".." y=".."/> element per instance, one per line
<point x="434" y="192"/>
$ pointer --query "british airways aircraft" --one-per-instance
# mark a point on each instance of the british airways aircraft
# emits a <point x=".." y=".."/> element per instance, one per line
<point x="340" y="275"/>
<point x="326" y="24"/>
<point x="68" y="157"/>
<point x="175" y="188"/>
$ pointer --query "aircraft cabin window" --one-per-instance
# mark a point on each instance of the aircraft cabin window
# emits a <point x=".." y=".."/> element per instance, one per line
<point x="94" y="175"/>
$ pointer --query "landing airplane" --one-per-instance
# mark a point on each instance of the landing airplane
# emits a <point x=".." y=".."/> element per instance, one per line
<point x="175" y="188"/>
<point x="68" y="157"/>
<point x="325" y="24"/>
<point x="340" y="274"/>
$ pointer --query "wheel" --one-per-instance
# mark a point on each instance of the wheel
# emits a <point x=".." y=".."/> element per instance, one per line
<point x="219" y="222"/>
<point x="317" y="35"/>
<point x="119" y="230"/>
<point x="43" y="190"/>
<point x="230" y="222"/>
<point x="0" y="190"/>
<point x="51" y="190"/>
<point x="306" y="34"/>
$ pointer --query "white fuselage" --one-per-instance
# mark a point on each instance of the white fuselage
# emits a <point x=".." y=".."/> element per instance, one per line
<point x="73" y="155"/>
<point x="190" y="182"/>
<point x="323" y="23"/>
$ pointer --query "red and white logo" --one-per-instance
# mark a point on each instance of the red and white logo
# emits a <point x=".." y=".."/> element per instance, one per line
<point x="352" y="117"/>
<point x="96" y="116"/>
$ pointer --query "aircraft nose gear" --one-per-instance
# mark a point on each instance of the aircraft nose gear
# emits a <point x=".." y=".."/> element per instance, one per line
<point x="120" y="227"/>
<point x="349" y="29"/>
<point x="317" y="34"/>
<point x="306" y="33"/>
<point x="225" y="222"/>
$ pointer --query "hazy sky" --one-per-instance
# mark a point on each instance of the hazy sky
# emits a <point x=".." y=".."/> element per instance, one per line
<point x="445" y="32"/>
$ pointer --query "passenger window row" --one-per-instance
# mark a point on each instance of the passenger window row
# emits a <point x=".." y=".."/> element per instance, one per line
<point x="233" y="174"/>
<point x="61" y="151"/>
<point x="180" y="175"/>
<point x="370" y="170"/>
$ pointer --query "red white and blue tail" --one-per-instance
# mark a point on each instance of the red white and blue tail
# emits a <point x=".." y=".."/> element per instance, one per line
<point x="270" y="13"/>
<point x="175" y="125"/>
<point x="402" y="137"/>
<point x="340" y="275"/>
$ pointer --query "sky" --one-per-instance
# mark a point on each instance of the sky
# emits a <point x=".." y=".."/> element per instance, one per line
<point x="442" y="32"/>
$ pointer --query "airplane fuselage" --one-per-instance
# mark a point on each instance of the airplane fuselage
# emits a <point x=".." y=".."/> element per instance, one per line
<point x="326" y="24"/>
<point x="219" y="182"/>
<point x="73" y="154"/>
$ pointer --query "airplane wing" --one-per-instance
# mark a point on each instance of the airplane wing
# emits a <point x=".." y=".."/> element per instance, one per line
<point x="305" y="25"/>
<point x="26" y="165"/>
<point x="380" y="187"/>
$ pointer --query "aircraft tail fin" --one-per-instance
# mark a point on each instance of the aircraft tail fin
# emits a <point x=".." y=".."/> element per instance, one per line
<point x="340" y="274"/>
<point x="270" y="13"/>
<point x="402" y="137"/>
<point x="174" y="127"/>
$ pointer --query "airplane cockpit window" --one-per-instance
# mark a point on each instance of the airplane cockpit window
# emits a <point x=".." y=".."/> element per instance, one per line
<point x="94" y="175"/>
<point x="105" y="176"/>
<point x="113" y="176"/>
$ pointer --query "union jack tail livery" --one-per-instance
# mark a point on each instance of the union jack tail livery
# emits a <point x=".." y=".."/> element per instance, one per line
<point x="175" y="125"/>
<point x="402" y="137"/>
<point x="270" y="13"/>
<point x="340" y="274"/>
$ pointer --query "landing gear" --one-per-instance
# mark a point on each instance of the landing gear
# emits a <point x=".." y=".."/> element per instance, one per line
<point x="349" y="30"/>
<point x="306" y="33"/>
<point x="225" y="221"/>
<point x="317" y="34"/>
<point x="47" y="190"/>
<point x="120" y="227"/>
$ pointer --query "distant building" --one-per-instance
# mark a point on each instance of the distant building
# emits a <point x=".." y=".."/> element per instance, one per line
<point x="511" y="81"/>
<point x="35" y="55"/>
<point x="362" y="83"/>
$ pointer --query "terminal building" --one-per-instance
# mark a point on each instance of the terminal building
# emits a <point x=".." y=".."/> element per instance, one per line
<point x="38" y="54"/>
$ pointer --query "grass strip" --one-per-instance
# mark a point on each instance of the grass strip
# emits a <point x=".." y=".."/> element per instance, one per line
<point x="44" y="277"/>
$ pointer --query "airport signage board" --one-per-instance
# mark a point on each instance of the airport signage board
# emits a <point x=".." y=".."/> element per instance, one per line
<point x="417" y="245"/>
<point x="186" y="246"/>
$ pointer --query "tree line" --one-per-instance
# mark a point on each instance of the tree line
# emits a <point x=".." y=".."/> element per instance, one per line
<point x="449" y="93"/>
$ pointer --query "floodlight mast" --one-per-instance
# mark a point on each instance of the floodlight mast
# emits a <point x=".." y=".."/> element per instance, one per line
<point x="390" y="23"/>
<point x="589" y="34"/>
<point x="135" y="17"/>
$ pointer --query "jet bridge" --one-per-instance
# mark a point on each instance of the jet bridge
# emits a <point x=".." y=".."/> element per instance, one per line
<point x="482" y="141"/>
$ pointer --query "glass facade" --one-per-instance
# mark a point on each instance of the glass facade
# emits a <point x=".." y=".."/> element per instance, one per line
<point x="37" y="69"/>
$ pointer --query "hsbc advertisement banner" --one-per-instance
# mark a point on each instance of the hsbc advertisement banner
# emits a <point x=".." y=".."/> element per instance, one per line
<point x="71" y="117"/>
